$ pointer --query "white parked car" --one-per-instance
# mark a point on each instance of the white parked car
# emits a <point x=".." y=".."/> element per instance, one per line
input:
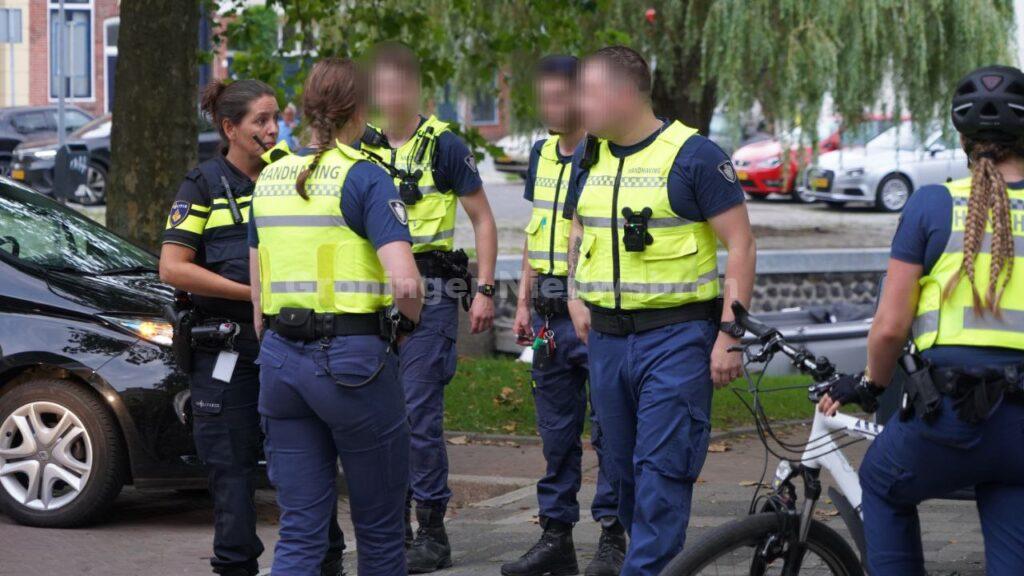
<point x="516" y="148"/>
<point x="887" y="169"/>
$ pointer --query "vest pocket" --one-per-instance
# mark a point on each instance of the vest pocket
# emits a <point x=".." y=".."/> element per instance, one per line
<point x="534" y="225"/>
<point x="430" y="207"/>
<point x="669" y="247"/>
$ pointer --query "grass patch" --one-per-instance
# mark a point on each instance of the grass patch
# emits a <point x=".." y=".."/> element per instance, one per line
<point x="493" y="395"/>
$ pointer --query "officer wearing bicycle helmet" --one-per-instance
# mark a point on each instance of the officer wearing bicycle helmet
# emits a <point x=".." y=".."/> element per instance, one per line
<point x="956" y="286"/>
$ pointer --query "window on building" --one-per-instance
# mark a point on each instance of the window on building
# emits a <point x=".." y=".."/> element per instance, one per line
<point x="77" y="54"/>
<point x="484" y="108"/>
<point x="111" y="28"/>
<point x="447" y="106"/>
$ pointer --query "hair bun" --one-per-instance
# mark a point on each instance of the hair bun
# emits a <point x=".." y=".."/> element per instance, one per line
<point x="213" y="91"/>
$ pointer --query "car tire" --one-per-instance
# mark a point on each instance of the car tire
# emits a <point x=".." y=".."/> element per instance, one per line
<point x="803" y="196"/>
<point x="96" y="182"/>
<point x="81" y="440"/>
<point x="892" y="194"/>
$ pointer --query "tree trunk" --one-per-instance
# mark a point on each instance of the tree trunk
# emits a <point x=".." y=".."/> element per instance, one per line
<point x="685" y="98"/>
<point x="154" y="133"/>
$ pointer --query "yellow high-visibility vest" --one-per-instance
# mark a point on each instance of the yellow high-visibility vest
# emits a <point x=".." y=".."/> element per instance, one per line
<point x="547" y="234"/>
<point x="309" y="257"/>
<point x="432" y="218"/>
<point x="953" y="321"/>
<point x="680" y="265"/>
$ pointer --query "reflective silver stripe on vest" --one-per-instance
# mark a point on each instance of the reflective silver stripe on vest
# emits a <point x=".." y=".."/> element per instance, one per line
<point x="546" y="204"/>
<point x="544" y="255"/>
<point x="649" y="287"/>
<point x="666" y="222"/>
<point x="300" y="221"/>
<point x="343" y="286"/>
<point x="431" y="189"/>
<point x="1015" y="203"/>
<point x="956" y="244"/>
<point x="1008" y="320"/>
<point x="925" y="323"/>
<point x="442" y="235"/>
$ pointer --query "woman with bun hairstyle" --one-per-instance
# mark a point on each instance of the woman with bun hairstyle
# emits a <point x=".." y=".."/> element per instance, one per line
<point x="205" y="256"/>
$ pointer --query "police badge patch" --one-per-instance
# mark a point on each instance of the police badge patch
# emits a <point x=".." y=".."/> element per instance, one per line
<point x="471" y="162"/>
<point x="179" y="210"/>
<point x="727" y="171"/>
<point x="398" y="208"/>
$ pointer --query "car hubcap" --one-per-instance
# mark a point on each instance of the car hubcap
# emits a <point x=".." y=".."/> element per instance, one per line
<point x="95" y="184"/>
<point x="895" y="194"/>
<point x="45" y="456"/>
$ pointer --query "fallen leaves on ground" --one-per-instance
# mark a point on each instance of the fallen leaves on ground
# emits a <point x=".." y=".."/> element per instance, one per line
<point x="458" y="441"/>
<point x="719" y="447"/>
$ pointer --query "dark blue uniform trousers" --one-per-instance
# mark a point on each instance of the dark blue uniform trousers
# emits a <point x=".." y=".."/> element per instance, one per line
<point x="913" y="461"/>
<point x="427" y="365"/>
<point x="560" y="394"/>
<point x="226" y="428"/>
<point x="652" y="395"/>
<point x="310" y="420"/>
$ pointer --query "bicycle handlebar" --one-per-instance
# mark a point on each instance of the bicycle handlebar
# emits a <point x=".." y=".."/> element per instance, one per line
<point x="751" y="324"/>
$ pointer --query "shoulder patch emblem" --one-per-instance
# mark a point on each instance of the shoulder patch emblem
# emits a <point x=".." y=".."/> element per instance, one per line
<point x="179" y="211"/>
<point x="398" y="209"/>
<point x="471" y="162"/>
<point x="727" y="171"/>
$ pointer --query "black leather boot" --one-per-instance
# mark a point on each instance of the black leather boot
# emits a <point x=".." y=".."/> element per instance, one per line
<point x="333" y="564"/>
<point x="408" y="524"/>
<point x="553" y="554"/>
<point x="611" y="549"/>
<point x="430" y="550"/>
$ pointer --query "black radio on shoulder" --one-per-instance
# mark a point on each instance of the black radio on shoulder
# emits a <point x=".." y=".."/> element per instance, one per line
<point x="374" y="138"/>
<point x="590" y="149"/>
<point x="409" y="187"/>
<point x="635" y="236"/>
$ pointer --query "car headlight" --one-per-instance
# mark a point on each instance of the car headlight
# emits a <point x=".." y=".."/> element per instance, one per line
<point x="152" y="330"/>
<point x="855" y="172"/>
<point x="769" y="163"/>
<point x="43" y="154"/>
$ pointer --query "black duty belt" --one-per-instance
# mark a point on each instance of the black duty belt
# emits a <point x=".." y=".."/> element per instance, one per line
<point x="306" y="325"/>
<point x="958" y="382"/>
<point x="624" y="322"/>
<point x="439" y="264"/>
<point x="550" y="295"/>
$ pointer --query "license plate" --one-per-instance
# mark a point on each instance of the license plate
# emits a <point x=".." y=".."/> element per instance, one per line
<point x="18" y="174"/>
<point x="819" y="183"/>
<point x="742" y="174"/>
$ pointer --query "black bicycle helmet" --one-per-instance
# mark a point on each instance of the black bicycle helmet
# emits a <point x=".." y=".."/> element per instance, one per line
<point x="988" y="105"/>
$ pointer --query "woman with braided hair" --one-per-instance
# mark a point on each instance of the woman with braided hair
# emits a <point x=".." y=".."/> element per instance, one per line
<point x="955" y="287"/>
<point x="335" y="283"/>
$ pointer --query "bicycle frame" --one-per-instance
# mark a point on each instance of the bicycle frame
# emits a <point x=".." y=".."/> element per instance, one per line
<point x="824" y="452"/>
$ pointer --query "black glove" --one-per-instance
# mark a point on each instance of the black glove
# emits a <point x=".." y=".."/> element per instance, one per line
<point x="850" y="389"/>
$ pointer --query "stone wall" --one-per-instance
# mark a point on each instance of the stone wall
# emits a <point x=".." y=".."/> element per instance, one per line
<point x="773" y="292"/>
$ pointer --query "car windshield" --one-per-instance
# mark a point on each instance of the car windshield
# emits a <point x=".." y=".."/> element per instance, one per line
<point x="97" y="128"/>
<point x="827" y="125"/>
<point x="37" y="231"/>
<point x="899" y="137"/>
<point x="864" y="132"/>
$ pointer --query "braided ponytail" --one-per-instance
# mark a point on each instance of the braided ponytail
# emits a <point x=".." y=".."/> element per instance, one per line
<point x="988" y="199"/>
<point x="332" y="93"/>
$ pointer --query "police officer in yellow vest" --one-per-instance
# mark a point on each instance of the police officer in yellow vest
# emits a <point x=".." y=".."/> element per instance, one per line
<point x="650" y="201"/>
<point x="956" y="285"/>
<point x="205" y="254"/>
<point x="434" y="171"/>
<point x="330" y="253"/>
<point x="559" y="357"/>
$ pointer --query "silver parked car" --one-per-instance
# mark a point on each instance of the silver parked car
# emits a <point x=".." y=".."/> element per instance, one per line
<point x="887" y="169"/>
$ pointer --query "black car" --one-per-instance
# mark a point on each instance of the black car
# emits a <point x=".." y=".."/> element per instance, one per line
<point x="21" y="123"/>
<point x="90" y="397"/>
<point x="33" y="159"/>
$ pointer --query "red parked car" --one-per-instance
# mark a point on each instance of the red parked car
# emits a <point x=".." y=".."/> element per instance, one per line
<point x="761" y="170"/>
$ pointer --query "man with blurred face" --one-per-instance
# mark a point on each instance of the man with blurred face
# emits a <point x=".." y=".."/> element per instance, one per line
<point x="650" y="200"/>
<point x="434" y="171"/>
<point x="559" y="358"/>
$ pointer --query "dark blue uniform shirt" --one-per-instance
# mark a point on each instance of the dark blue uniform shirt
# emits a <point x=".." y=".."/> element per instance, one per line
<point x="701" y="183"/>
<point x="921" y="237"/>
<point x="366" y="198"/>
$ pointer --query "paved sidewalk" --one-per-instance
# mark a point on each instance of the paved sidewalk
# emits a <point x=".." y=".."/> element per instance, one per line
<point x="493" y="520"/>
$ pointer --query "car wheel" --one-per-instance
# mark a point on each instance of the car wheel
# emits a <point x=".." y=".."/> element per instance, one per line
<point x="62" y="461"/>
<point x="893" y="192"/>
<point x="95" y="190"/>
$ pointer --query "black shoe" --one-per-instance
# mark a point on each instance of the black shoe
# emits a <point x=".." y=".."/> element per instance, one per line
<point x="430" y="550"/>
<point x="611" y="549"/>
<point x="333" y="564"/>
<point x="553" y="554"/>
<point x="408" y="524"/>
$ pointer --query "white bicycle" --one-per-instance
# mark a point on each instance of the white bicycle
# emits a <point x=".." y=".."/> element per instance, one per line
<point x="780" y="535"/>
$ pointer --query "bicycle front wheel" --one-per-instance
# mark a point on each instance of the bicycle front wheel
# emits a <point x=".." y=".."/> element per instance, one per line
<point x="754" y="545"/>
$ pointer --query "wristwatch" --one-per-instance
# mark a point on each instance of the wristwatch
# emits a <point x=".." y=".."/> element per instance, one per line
<point x="485" y="289"/>
<point x="732" y="329"/>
